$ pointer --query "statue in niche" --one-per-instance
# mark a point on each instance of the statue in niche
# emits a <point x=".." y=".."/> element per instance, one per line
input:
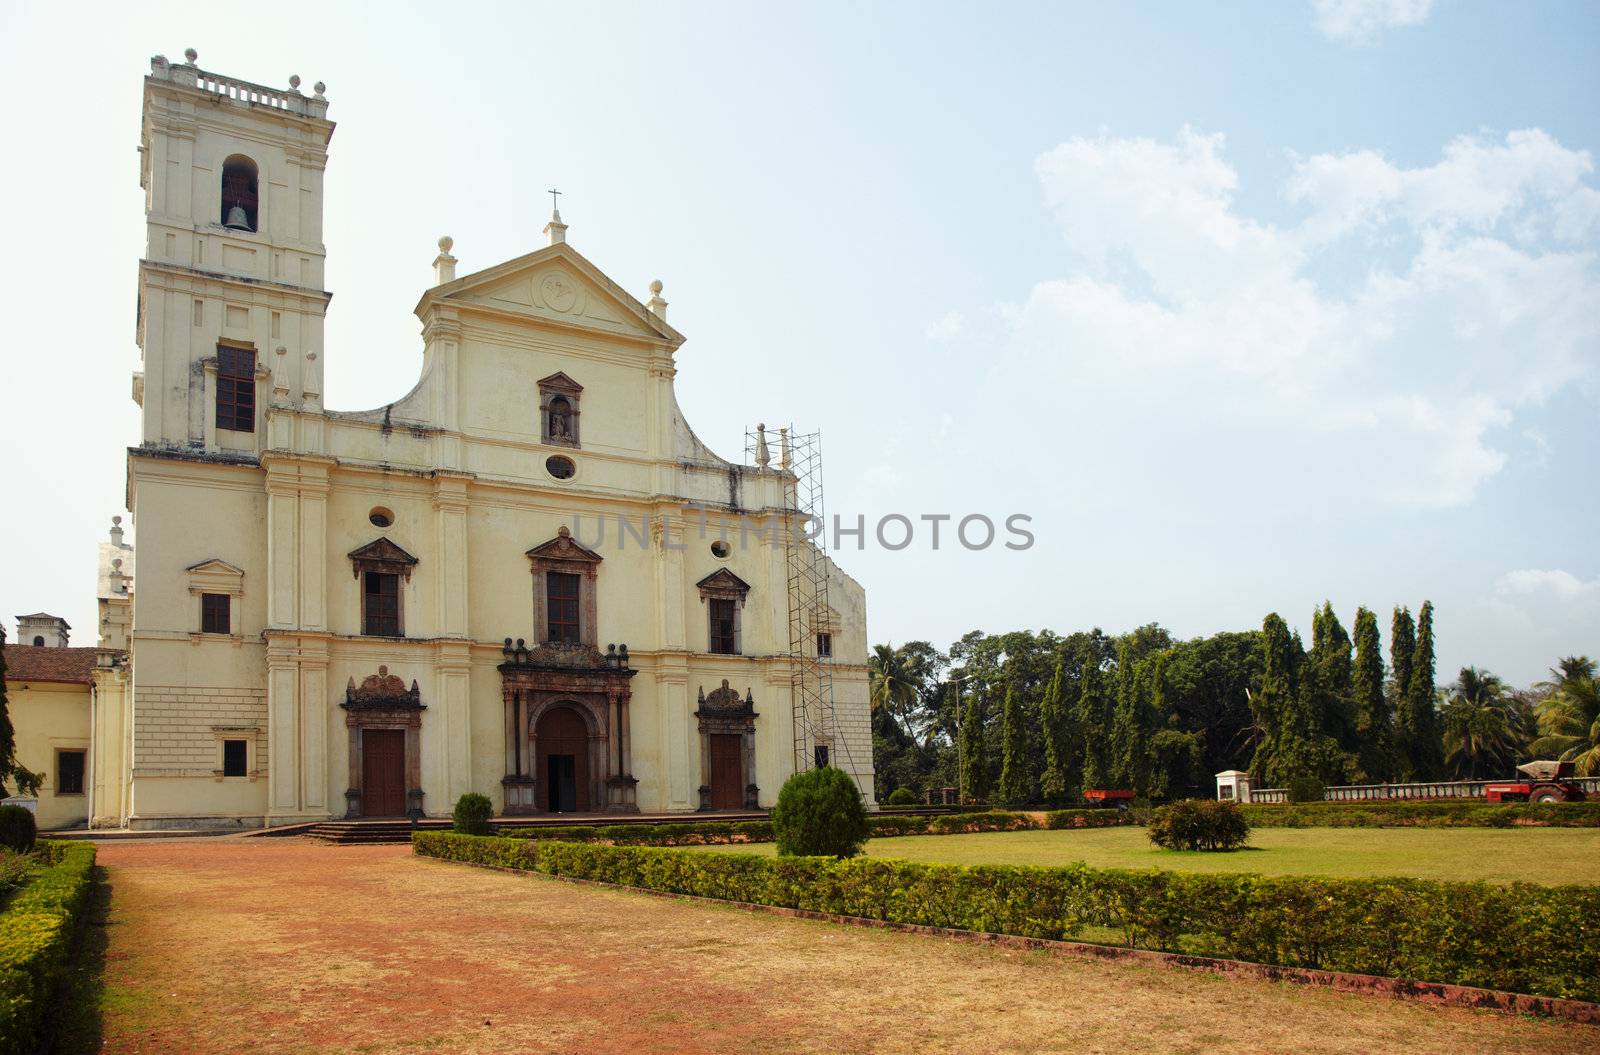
<point x="560" y="419"/>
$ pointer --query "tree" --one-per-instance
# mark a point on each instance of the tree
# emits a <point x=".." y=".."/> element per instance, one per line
<point x="1480" y="725"/>
<point x="1424" y="746"/>
<point x="1374" y="717"/>
<point x="1569" y="716"/>
<point x="1056" y="717"/>
<point x="1134" y="719"/>
<point x="1013" y="764"/>
<point x="1330" y="684"/>
<point x="820" y="813"/>
<point x="10" y="769"/>
<point x="891" y="686"/>
<point x="1271" y="702"/>
<point x="974" y="766"/>
<point x="1402" y="643"/>
<point x="1093" y="723"/>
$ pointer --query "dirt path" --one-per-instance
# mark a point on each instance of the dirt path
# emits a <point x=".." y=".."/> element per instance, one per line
<point x="267" y="945"/>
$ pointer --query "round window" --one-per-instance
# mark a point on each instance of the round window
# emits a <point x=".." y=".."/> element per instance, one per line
<point x="720" y="549"/>
<point x="559" y="467"/>
<point x="381" y="517"/>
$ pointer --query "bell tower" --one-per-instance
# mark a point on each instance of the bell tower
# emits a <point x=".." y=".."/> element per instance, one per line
<point x="231" y="298"/>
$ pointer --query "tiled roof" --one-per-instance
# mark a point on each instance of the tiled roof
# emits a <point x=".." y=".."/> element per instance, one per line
<point x="38" y="663"/>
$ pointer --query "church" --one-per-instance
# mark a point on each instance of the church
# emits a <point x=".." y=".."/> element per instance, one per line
<point x="524" y="577"/>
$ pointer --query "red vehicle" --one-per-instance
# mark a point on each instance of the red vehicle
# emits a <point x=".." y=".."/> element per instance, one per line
<point x="1106" y="797"/>
<point x="1547" y="782"/>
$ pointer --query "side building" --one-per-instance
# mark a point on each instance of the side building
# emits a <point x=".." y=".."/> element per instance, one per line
<point x="525" y="577"/>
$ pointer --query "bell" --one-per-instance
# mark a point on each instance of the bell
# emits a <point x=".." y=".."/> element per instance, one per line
<point x="237" y="219"/>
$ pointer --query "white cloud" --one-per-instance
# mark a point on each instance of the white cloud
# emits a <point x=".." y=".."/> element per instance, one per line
<point x="1541" y="582"/>
<point x="1192" y="331"/>
<point x="1361" y="21"/>
<point x="947" y="328"/>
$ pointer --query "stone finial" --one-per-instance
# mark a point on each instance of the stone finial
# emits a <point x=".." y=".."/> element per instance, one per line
<point x="191" y="55"/>
<point x="763" y="455"/>
<point x="319" y="88"/>
<point x="294" y="82"/>
<point x="657" y="306"/>
<point x="116" y="534"/>
<point x="444" y="265"/>
<point x="785" y="458"/>
<point x="555" y="231"/>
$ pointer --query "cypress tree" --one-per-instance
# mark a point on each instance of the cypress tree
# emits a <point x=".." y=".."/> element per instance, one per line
<point x="1053" y="715"/>
<point x="1133" y="721"/>
<point x="1374" y="720"/>
<point x="1402" y="642"/>
<point x="1150" y="718"/>
<point x="1092" y="722"/>
<point x="1426" y="747"/>
<point x="1277" y="706"/>
<point x="1014" y="752"/>
<point x="1332" y="678"/>
<point x="974" y="765"/>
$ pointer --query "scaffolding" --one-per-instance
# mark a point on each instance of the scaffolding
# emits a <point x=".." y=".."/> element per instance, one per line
<point x="799" y="464"/>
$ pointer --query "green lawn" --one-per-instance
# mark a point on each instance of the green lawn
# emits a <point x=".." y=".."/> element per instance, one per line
<point x="1539" y="855"/>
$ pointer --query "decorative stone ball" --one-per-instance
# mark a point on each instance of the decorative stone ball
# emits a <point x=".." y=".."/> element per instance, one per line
<point x="191" y="55"/>
<point x="294" y="81"/>
<point x="319" y="87"/>
<point x="656" y="287"/>
<point x="446" y="244"/>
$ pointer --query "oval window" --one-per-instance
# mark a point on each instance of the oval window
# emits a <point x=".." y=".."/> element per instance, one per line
<point x="720" y="549"/>
<point x="381" y="517"/>
<point x="559" y="467"/>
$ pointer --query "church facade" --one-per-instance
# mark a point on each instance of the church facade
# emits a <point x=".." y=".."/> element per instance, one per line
<point x="525" y="577"/>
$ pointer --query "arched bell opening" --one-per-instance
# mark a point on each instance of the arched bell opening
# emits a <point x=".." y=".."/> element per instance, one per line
<point x="240" y="200"/>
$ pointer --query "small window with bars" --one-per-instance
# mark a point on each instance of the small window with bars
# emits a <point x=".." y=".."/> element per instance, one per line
<point x="724" y="626"/>
<point x="216" y="613"/>
<point x="236" y="389"/>
<point x="380" y="604"/>
<point x="69" y="772"/>
<point x="561" y="607"/>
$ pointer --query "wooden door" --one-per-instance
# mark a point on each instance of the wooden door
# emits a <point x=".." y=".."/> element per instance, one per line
<point x="383" y="772"/>
<point x="562" y="762"/>
<point x="727" y="771"/>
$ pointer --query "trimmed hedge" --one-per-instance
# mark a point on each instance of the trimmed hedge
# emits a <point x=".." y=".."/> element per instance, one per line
<point x="882" y="825"/>
<point x="37" y="929"/>
<point x="1466" y="814"/>
<point x="1522" y="937"/>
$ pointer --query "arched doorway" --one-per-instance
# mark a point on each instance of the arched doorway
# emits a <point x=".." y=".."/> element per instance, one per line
<point x="561" y="764"/>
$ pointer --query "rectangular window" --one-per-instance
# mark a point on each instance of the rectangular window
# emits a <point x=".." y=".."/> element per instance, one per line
<point x="561" y="607"/>
<point x="215" y="614"/>
<point x="235" y="758"/>
<point x="724" y="626"/>
<point x="819" y="754"/>
<point x="69" y="772"/>
<point x="380" y="604"/>
<point x="825" y="645"/>
<point x="236" y="389"/>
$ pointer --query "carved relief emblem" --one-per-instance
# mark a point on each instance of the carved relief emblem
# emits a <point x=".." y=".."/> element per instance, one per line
<point x="559" y="291"/>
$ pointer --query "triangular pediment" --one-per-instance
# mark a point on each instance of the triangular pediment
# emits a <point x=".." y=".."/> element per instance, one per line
<point x="723" y="580"/>
<point x="555" y="284"/>
<point x="214" y="566"/>
<point x="564" y="547"/>
<point x="560" y="382"/>
<point x="381" y="551"/>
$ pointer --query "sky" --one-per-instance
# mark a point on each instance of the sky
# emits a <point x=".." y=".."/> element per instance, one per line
<point x="1245" y="306"/>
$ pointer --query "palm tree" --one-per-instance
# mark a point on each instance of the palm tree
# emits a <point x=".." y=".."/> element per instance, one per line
<point x="1569" y="715"/>
<point x="1480" y="724"/>
<point x="892" y="686"/>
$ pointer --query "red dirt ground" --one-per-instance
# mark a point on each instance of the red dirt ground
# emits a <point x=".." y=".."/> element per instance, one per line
<point x="282" y="945"/>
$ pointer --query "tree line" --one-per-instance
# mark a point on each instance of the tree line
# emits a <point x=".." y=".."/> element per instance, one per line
<point x="1026" y="717"/>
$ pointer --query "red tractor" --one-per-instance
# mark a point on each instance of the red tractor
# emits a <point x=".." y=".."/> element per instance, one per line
<point x="1547" y="782"/>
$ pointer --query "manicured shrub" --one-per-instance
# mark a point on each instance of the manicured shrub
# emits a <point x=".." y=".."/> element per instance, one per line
<point x="902" y="797"/>
<point x="988" y="821"/>
<point x="1522" y="937"/>
<point x="1199" y="824"/>
<point x="1436" y="814"/>
<point x="820" y="813"/>
<point x="16" y="829"/>
<point x="472" y="813"/>
<point x="37" y="930"/>
<point x="1306" y="788"/>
